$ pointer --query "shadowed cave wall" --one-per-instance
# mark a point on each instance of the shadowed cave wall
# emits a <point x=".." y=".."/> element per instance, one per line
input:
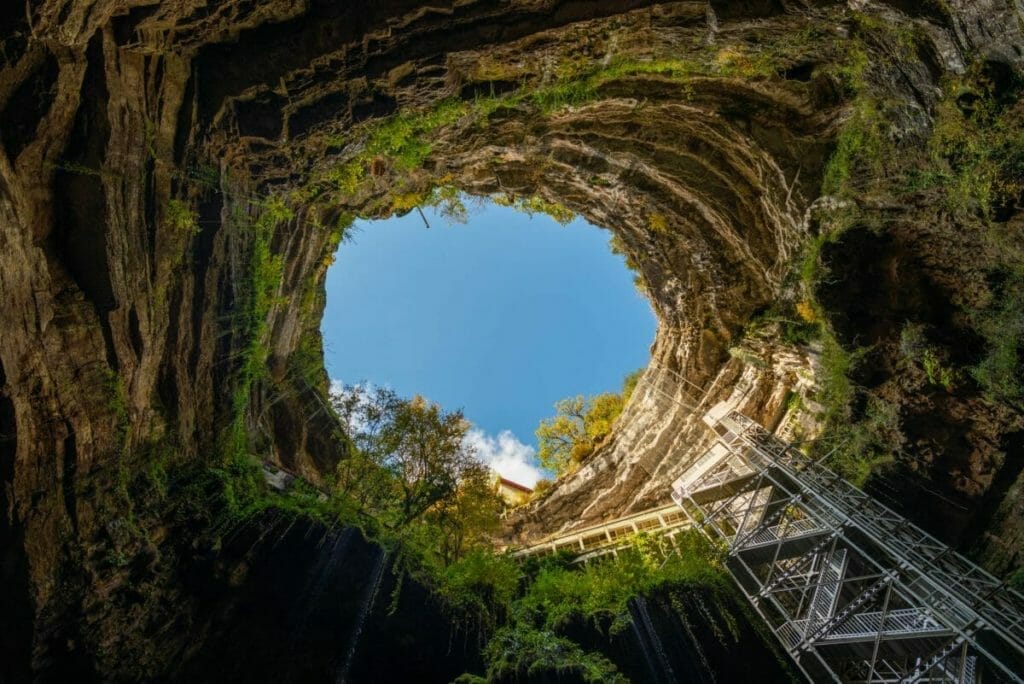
<point x="698" y="132"/>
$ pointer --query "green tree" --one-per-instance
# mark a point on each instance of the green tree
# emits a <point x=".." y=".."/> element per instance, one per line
<point x="425" y="447"/>
<point x="467" y="520"/>
<point x="579" y="425"/>
<point x="406" y="455"/>
<point x="629" y="384"/>
<point x="602" y="411"/>
<point x="563" y="439"/>
<point x="361" y="475"/>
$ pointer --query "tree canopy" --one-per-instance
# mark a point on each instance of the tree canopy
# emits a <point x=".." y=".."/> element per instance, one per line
<point x="579" y="425"/>
<point x="408" y="461"/>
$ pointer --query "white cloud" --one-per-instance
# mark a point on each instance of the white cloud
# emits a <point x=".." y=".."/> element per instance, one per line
<point x="507" y="455"/>
<point x="338" y="386"/>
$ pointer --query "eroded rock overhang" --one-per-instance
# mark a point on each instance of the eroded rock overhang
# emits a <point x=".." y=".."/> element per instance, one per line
<point x="125" y="326"/>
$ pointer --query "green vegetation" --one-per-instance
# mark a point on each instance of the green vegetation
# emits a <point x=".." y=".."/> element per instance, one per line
<point x="117" y="405"/>
<point x="404" y="142"/>
<point x="861" y="432"/>
<point x="407" y="479"/>
<point x="410" y="483"/>
<point x="937" y="373"/>
<point x="970" y="166"/>
<point x="450" y="203"/>
<point x="657" y="222"/>
<point x="541" y="488"/>
<point x="570" y="437"/>
<point x="973" y="162"/>
<point x="600" y="592"/>
<point x="480" y="583"/>
<point x="799" y="326"/>
<point x="616" y="246"/>
<point x="181" y="218"/>
<point x="556" y="597"/>
<point x="402" y="138"/>
<point x="520" y="651"/>
<point x="858" y="153"/>
<point x="977" y="164"/>
<point x="836" y="389"/>
<point x="408" y="461"/>
<point x="976" y="151"/>
<point x="258" y="294"/>
<point x="1001" y="371"/>
<point x="860" y="448"/>
<point x="536" y="205"/>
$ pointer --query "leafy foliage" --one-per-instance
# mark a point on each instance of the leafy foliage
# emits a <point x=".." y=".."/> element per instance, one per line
<point x="564" y="439"/>
<point x="257" y="295"/>
<point x="181" y="217"/>
<point x="600" y="592"/>
<point x="1001" y="372"/>
<point x="408" y="457"/>
<point x="466" y="521"/>
<point x="976" y="151"/>
<point x="861" y="447"/>
<point x="579" y="425"/>
<point x="616" y="245"/>
<point x="404" y="141"/>
<point x="559" y="594"/>
<point x="970" y="168"/>
<point x="481" y="582"/>
<point x="536" y="205"/>
<point x="629" y="384"/>
<point x="858" y="149"/>
<point x="518" y="650"/>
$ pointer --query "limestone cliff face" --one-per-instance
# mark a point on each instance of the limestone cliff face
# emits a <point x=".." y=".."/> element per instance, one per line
<point x="154" y="298"/>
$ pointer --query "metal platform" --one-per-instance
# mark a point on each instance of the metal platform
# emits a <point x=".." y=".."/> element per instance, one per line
<point x="610" y="537"/>
<point x="853" y="591"/>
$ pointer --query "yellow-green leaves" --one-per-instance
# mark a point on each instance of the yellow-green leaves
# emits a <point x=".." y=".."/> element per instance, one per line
<point x="579" y="425"/>
<point x="181" y="218"/>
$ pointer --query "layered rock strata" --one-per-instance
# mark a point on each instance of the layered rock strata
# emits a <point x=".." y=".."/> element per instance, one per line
<point x="174" y="174"/>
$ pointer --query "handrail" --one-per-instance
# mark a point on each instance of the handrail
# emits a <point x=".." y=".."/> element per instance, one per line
<point x="560" y="539"/>
<point x="935" y="592"/>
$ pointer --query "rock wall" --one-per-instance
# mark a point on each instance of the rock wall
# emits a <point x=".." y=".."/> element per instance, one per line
<point x="142" y="142"/>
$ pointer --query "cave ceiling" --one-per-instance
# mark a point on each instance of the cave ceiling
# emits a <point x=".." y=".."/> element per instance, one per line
<point x="177" y="175"/>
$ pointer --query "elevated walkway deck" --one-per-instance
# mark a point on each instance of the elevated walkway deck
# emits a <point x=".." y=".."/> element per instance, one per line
<point x="608" y="537"/>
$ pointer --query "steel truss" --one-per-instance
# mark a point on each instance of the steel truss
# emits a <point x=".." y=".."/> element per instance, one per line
<point x="852" y="590"/>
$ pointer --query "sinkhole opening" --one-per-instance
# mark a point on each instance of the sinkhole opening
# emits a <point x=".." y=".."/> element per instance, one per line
<point x="501" y="314"/>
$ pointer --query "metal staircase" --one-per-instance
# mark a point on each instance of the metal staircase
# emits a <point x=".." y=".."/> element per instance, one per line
<point x="853" y="591"/>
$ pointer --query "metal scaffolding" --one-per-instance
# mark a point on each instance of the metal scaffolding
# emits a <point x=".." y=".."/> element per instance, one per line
<point x="852" y="590"/>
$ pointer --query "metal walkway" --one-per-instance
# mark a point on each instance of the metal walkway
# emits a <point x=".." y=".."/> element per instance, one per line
<point x="610" y="537"/>
<point x="853" y="591"/>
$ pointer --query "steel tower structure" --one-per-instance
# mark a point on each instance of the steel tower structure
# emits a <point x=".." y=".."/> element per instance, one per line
<point x="852" y="590"/>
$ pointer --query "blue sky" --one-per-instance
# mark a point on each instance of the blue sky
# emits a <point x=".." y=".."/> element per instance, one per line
<point x="501" y="317"/>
